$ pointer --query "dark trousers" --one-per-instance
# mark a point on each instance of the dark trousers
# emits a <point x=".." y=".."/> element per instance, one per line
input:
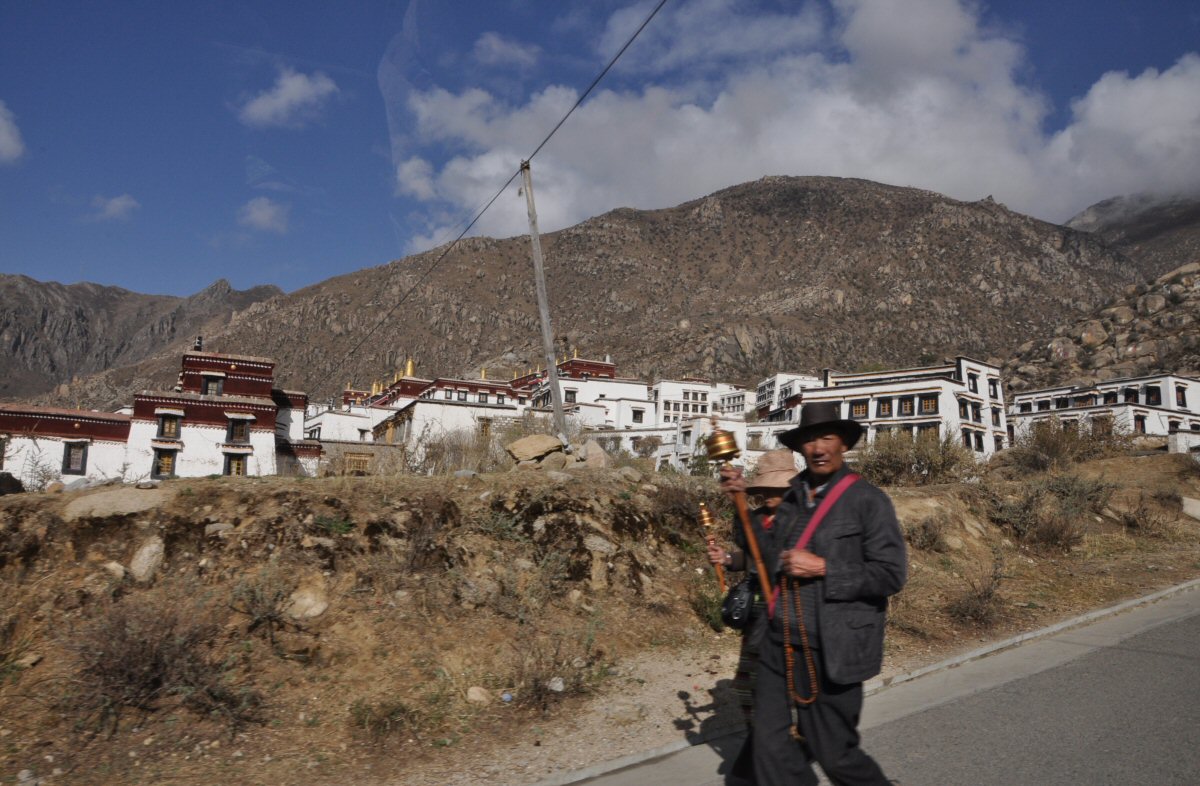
<point x="829" y="727"/>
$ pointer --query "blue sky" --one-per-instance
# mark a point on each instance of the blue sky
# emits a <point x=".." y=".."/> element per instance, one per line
<point x="160" y="146"/>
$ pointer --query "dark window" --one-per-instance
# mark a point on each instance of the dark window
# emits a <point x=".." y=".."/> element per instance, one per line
<point x="462" y="395"/>
<point x="978" y="441"/>
<point x="521" y="400"/>
<point x="235" y="466"/>
<point x="1110" y="397"/>
<point x="448" y="395"/>
<point x="995" y="416"/>
<point x="164" y="464"/>
<point x="962" y="410"/>
<point x="885" y="408"/>
<point x="973" y="382"/>
<point x="703" y="409"/>
<point x="1131" y="395"/>
<point x="1062" y="402"/>
<point x="639" y="415"/>
<point x="1139" y="424"/>
<point x="906" y="406"/>
<point x="927" y="431"/>
<point x="966" y="435"/>
<point x="1195" y="427"/>
<point x="500" y="398"/>
<point x="1180" y="396"/>
<point x="239" y="431"/>
<point x="999" y="443"/>
<point x="75" y="458"/>
<point x="211" y="386"/>
<point x="858" y="409"/>
<point x="993" y="388"/>
<point x="1173" y="426"/>
<point x="3" y="450"/>
<point x="929" y="405"/>
<point x="1043" y="405"/>
<point x="704" y="397"/>
<point x="483" y="398"/>
<point x="1026" y="406"/>
<point x="976" y="413"/>
<point x="1154" y="395"/>
<point x="168" y="427"/>
<point x="1102" y="425"/>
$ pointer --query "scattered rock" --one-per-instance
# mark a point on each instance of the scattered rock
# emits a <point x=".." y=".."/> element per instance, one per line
<point x="625" y="713"/>
<point x="954" y="543"/>
<point x="311" y="541"/>
<point x="556" y="684"/>
<point x="1191" y="507"/>
<point x="147" y="559"/>
<point x="114" y="569"/>
<point x="28" y="660"/>
<point x="595" y="543"/>
<point x="478" y="695"/>
<point x="147" y="484"/>
<point x="309" y="600"/>
<point x="592" y="456"/>
<point x="216" y="528"/>
<point x="116" y="502"/>
<point x="465" y="473"/>
<point x="630" y="474"/>
<point x="557" y="460"/>
<point x="533" y="447"/>
<point x="559" y="478"/>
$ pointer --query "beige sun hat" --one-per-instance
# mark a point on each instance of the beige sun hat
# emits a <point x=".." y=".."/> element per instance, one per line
<point x="775" y="471"/>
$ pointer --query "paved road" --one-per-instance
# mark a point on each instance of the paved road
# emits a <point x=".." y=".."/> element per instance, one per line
<point x="1115" y="702"/>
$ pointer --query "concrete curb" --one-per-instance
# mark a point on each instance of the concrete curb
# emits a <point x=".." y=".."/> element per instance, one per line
<point x="877" y="685"/>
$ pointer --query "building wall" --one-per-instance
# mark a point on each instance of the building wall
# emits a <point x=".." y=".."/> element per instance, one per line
<point x="36" y="461"/>
<point x="1177" y="407"/>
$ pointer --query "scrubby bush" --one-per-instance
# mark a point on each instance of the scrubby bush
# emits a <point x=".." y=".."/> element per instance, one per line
<point x="145" y="649"/>
<point x="1050" y="512"/>
<point x="928" y="534"/>
<point x="1050" y="444"/>
<point x="980" y="604"/>
<point x="899" y="460"/>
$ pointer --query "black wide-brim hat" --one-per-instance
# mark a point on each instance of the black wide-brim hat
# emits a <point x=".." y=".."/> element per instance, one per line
<point x="822" y="417"/>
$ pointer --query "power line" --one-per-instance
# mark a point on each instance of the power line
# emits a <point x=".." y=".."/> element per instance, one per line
<point x="478" y="215"/>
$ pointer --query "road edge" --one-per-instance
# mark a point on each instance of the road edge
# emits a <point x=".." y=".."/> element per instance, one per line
<point x="876" y="685"/>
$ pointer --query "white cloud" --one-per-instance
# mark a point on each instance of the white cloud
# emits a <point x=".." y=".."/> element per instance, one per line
<point x="493" y="49"/>
<point x="295" y="99"/>
<point x="919" y="93"/>
<point x="118" y="208"/>
<point x="11" y="145"/>
<point x="265" y="215"/>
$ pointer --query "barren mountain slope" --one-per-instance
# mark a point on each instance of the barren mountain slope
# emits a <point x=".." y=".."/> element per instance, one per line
<point x="781" y="274"/>
<point x="52" y="333"/>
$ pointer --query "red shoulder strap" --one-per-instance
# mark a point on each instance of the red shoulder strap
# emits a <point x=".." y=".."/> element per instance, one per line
<point x="826" y="503"/>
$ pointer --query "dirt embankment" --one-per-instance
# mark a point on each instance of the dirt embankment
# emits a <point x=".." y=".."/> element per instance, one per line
<point x="490" y="629"/>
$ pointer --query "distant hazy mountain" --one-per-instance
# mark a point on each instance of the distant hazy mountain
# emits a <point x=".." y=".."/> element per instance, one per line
<point x="786" y="273"/>
<point x="1158" y="234"/>
<point x="52" y="333"/>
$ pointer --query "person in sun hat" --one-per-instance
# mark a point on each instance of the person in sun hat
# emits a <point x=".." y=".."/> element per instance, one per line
<point x="772" y="478"/>
<point x="822" y="635"/>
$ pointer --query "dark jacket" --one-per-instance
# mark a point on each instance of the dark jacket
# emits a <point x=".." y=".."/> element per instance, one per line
<point x="865" y="562"/>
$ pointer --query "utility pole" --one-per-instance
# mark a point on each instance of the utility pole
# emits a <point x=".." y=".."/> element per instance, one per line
<point x="539" y="275"/>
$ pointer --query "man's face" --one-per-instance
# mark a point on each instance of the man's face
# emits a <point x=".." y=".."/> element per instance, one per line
<point x="825" y="453"/>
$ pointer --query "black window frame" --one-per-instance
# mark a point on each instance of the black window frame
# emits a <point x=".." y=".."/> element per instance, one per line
<point x="235" y="425"/>
<point x="973" y="383"/>
<point x="83" y="457"/>
<point x="570" y="396"/>
<point x="1153" y="396"/>
<point x="639" y="416"/>
<point x="483" y="398"/>
<point x="155" y="466"/>
<point x="229" y="459"/>
<point x="1112" y="397"/>
<point x="462" y="395"/>
<point x="500" y="399"/>
<point x="936" y="405"/>
<point x="1181" y="396"/>
<point x="993" y="388"/>
<point x="884" y="408"/>
<point x="162" y="422"/>
<point x="206" y="383"/>
<point x="1025" y="406"/>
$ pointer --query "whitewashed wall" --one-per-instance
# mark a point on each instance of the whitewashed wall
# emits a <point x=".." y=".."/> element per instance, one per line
<point x="38" y="461"/>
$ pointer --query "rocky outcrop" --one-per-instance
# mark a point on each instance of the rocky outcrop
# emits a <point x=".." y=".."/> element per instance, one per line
<point x="1158" y="233"/>
<point x="1151" y="328"/>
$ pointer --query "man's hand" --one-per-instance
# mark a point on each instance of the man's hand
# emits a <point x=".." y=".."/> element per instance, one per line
<point x="731" y="480"/>
<point x="803" y="564"/>
<point x="716" y="554"/>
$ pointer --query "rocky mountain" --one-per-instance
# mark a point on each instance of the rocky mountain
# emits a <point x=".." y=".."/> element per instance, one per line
<point x="1160" y="234"/>
<point x="53" y="333"/>
<point x="1149" y="328"/>
<point x="786" y="273"/>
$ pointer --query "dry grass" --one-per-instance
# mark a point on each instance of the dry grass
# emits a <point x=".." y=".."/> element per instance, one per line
<point x="900" y="460"/>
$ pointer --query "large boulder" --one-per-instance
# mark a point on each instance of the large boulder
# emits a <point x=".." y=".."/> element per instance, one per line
<point x="533" y="447"/>
<point x="592" y="455"/>
<point x="147" y="559"/>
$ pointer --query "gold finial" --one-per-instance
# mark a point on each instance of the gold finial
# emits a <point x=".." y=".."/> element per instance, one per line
<point x="410" y="368"/>
<point x="576" y="353"/>
<point x="483" y="373"/>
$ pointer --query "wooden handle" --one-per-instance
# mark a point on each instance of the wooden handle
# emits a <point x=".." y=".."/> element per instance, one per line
<point x="743" y="510"/>
<point x="718" y="567"/>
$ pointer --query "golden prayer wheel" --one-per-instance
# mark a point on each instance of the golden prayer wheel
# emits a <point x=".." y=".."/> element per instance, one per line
<point x="722" y="445"/>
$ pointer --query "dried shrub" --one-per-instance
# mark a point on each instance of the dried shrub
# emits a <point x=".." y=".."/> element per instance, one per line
<point x="263" y="597"/>
<point x="1053" y="445"/>
<point x="386" y="716"/>
<point x="1151" y="516"/>
<point x="1052" y="512"/>
<point x="980" y="604"/>
<point x="928" y="534"/>
<point x="552" y="667"/>
<point x="147" y="649"/>
<point x="899" y="460"/>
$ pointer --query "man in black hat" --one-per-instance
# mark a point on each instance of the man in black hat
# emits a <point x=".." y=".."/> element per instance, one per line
<point x="823" y="635"/>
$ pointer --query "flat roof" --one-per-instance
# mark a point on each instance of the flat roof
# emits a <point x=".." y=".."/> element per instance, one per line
<point x="22" y="409"/>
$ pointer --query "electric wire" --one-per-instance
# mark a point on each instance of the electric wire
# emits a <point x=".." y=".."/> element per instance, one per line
<point x="479" y="214"/>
